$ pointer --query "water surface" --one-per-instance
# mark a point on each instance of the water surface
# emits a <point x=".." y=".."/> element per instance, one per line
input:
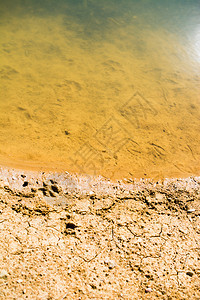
<point x="101" y="87"/>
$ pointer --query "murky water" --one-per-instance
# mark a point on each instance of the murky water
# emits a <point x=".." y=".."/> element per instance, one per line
<point x="101" y="87"/>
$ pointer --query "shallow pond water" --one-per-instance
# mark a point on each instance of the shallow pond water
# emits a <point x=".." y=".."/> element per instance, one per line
<point x="101" y="87"/>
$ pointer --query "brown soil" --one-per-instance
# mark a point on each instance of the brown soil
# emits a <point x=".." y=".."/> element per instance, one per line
<point x="70" y="237"/>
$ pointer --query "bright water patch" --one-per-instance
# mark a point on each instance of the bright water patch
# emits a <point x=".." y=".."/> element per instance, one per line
<point x="101" y="87"/>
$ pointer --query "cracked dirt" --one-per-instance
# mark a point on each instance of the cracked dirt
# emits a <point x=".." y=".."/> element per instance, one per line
<point x="67" y="237"/>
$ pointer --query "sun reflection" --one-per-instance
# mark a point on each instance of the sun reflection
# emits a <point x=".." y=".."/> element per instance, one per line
<point x="196" y="44"/>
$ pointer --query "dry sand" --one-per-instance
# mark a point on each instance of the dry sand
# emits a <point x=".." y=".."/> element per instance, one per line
<point x="78" y="237"/>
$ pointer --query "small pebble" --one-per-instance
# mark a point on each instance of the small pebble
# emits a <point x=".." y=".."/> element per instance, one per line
<point x="106" y="260"/>
<point x="191" y="210"/>
<point x="123" y="238"/>
<point x="148" y="290"/>
<point x="111" y="263"/>
<point x="3" y="274"/>
<point x="190" y="273"/>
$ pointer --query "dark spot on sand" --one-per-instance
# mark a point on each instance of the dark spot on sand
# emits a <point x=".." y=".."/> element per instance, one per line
<point x="25" y="184"/>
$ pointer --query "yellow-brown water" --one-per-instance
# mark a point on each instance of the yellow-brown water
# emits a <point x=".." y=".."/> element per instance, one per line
<point x="101" y="88"/>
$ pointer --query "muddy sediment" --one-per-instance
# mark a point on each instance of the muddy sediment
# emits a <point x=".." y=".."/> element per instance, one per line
<point x="66" y="236"/>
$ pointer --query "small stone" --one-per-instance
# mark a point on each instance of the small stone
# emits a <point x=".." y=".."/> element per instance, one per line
<point x="159" y="196"/>
<point x="190" y="273"/>
<point x="191" y="210"/>
<point x="149" y="199"/>
<point x="148" y="290"/>
<point x="93" y="286"/>
<point x="3" y="274"/>
<point x="83" y="206"/>
<point x="123" y="238"/>
<point x="111" y="263"/>
<point x="19" y="280"/>
<point x="106" y="260"/>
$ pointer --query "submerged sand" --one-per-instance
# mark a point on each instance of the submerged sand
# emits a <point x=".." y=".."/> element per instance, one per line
<point x="110" y="90"/>
<point x="66" y="236"/>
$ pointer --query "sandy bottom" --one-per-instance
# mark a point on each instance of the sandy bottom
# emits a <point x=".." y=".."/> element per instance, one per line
<point x="80" y="237"/>
<point x="116" y="96"/>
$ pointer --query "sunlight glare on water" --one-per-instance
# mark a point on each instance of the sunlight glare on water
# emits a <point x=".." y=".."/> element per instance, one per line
<point x="101" y="87"/>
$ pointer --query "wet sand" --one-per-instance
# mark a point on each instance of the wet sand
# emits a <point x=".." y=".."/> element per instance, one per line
<point x="83" y="237"/>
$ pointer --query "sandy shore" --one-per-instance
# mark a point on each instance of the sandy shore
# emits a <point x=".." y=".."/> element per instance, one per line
<point x="80" y="237"/>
